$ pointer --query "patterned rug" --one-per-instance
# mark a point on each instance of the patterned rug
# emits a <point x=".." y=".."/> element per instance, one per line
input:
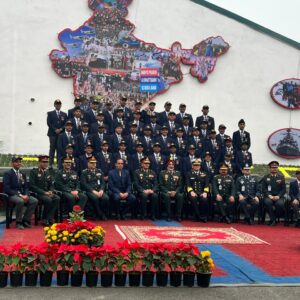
<point x="195" y="235"/>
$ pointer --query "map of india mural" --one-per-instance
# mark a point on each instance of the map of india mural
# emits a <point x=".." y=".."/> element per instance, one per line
<point x="105" y="58"/>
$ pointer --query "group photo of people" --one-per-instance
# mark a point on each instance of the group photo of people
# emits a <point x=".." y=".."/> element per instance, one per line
<point x="120" y="162"/>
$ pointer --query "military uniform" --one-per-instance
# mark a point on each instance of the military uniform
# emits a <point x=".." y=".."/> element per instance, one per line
<point x="247" y="186"/>
<point x="224" y="186"/>
<point x="198" y="183"/>
<point x="171" y="181"/>
<point x="146" y="180"/>
<point x="41" y="181"/>
<point x="66" y="182"/>
<point x="94" y="181"/>
<point x="273" y="185"/>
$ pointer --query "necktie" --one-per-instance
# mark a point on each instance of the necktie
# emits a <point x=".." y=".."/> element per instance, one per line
<point x="85" y="137"/>
<point x="69" y="137"/>
<point x="58" y="114"/>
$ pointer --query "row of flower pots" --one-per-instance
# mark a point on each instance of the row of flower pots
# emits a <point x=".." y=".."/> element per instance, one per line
<point x="107" y="278"/>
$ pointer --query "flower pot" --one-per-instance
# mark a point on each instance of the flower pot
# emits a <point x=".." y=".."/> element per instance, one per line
<point x="134" y="278"/>
<point x="62" y="277"/>
<point x="106" y="278"/>
<point x="147" y="278"/>
<point x="31" y="278"/>
<point x="162" y="278"/>
<point x="203" y="279"/>
<point x="76" y="278"/>
<point x="91" y="278"/>
<point x="16" y="278"/>
<point x="188" y="279"/>
<point x="120" y="278"/>
<point x="3" y="279"/>
<point x="175" y="278"/>
<point x="46" y="278"/>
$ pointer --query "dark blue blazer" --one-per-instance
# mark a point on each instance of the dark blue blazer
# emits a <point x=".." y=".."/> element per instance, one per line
<point x="130" y="144"/>
<point x="76" y="130"/>
<point x="134" y="163"/>
<point x="117" y="156"/>
<point x="209" y="171"/>
<point x="90" y="117"/>
<point x="162" y="118"/>
<point x="157" y="167"/>
<point x="147" y="147"/>
<point x="54" y="122"/>
<point x="108" y="121"/>
<point x="178" y="120"/>
<point x="128" y="115"/>
<point x="119" y="184"/>
<point x="181" y="150"/>
<point x="294" y="190"/>
<point x="164" y="145"/>
<point x="12" y="185"/>
<point x="237" y="140"/>
<point x="97" y="142"/>
<point x="62" y="142"/>
<point x="241" y="160"/>
<point x="80" y="144"/>
<point x="216" y="153"/>
<point x="187" y="165"/>
<point x="155" y="129"/>
<point x="105" y="165"/>
<point x="172" y="132"/>
<point x="198" y="145"/>
<point x="145" y="117"/>
<point x="211" y="122"/>
<point x="220" y="140"/>
<point x="187" y="134"/>
<point x="95" y="126"/>
<point x="114" y="143"/>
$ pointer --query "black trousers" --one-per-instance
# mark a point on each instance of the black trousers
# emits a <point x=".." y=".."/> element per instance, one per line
<point x="200" y="206"/>
<point x="52" y="149"/>
<point x="153" y="198"/>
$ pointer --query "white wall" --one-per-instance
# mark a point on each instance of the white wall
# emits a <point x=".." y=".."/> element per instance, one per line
<point x="238" y="88"/>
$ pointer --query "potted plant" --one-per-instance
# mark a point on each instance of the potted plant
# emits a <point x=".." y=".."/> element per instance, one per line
<point x="46" y="263"/>
<point x="204" y="266"/>
<point x="161" y="260"/>
<point x="30" y="262"/>
<point x="189" y="259"/>
<point x="106" y="260"/>
<point x="15" y="264"/>
<point x="121" y="261"/>
<point x="63" y="261"/>
<point x="3" y="273"/>
<point x="147" y="265"/>
<point x="89" y="267"/>
<point x="134" y="257"/>
<point x="175" y="265"/>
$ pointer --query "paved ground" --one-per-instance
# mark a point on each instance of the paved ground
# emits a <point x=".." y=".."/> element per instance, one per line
<point x="230" y="293"/>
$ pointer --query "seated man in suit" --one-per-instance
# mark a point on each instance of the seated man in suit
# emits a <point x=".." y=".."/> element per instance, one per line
<point x="171" y="187"/>
<point x="41" y="183"/>
<point x="295" y="198"/>
<point x="92" y="182"/>
<point x="16" y="187"/>
<point x="119" y="186"/>
<point x="67" y="181"/>
<point x="145" y="183"/>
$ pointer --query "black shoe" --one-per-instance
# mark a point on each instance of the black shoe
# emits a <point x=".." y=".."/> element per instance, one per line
<point x="227" y="220"/>
<point x="297" y="224"/>
<point x="20" y="226"/>
<point x="272" y="223"/>
<point x="46" y="223"/>
<point x="142" y="218"/>
<point x="153" y="218"/>
<point x="27" y="224"/>
<point x="204" y="220"/>
<point x="104" y="217"/>
<point x="178" y="219"/>
<point x="169" y="219"/>
<point x="118" y="217"/>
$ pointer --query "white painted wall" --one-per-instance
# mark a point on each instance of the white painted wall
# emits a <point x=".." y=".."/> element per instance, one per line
<point x="238" y="88"/>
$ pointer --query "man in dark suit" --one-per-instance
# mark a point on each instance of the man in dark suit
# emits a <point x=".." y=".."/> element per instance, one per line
<point x="92" y="112"/>
<point x="171" y="124"/>
<point x="157" y="159"/>
<point x="155" y="127"/>
<point x="208" y="166"/>
<point x="109" y="117"/>
<point x="122" y="154"/>
<point x="180" y="142"/>
<point x="77" y="121"/>
<point x="164" y="140"/>
<point x="135" y="159"/>
<point x="64" y="139"/>
<point x="116" y="138"/>
<point x="119" y="186"/>
<point x="243" y="157"/>
<point x="205" y="117"/>
<point x="131" y="138"/>
<point x="221" y="136"/>
<point x="241" y="136"/>
<point x="196" y="141"/>
<point x="128" y="116"/>
<point x="104" y="159"/>
<point x="100" y="122"/>
<point x="295" y="198"/>
<point x="147" y="140"/>
<point x="16" y="187"/>
<point x="211" y="145"/>
<point x="56" y="120"/>
<point x="138" y="122"/>
<point x="146" y="114"/>
<point x="82" y="139"/>
<point x="163" y="116"/>
<point x="77" y="103"/>
<point x="98" y="138"/>
<point x="182" y="114"/>
<point x="187" y="130"/>
<point x="84" y="158"/>
<point x="188" y="160"/>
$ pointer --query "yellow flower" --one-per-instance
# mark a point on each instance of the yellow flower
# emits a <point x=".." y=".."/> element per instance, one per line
<point x="72" y="240"/>
<point x="65" y="233"/>
<point x="76" y="236"/>
<point x="65" y="238"/>
<point x="54" y="237"/>
<point x="48" y="240"/>
<point x="205" y="253"/>
<point x="71" y="234"/>
<point x="210" y="261"/>
<point x="60" y="235"/>
<point x="46" y="228"/>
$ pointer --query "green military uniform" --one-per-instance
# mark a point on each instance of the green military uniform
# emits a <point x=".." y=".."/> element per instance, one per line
<point x="273" y="185"/>
<point x="66" y="182"/>
<point x="247" y="186"/>
<point x="224" y="186"/>
<point x="146" y="180"/>
<point x="94" y="181"/>
<point x="171" y="181"/>
<point x="41" y="181"/>
<point x="198" y="182"/>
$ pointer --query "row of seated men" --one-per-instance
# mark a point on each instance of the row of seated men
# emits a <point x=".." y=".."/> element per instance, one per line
<point x="80" y="127"/>
<point x="124" y="196"/>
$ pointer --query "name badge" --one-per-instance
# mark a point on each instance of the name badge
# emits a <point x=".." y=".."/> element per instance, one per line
<point x="98" y="181"/>
<point x="243" y="188"/>
<point x="220" y="187"/>
<point x="269" y="188"/>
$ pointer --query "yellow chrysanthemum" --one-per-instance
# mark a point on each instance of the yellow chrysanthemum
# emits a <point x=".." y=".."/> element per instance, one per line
<point x="205" y="253"/>
<point x="48" y="240"/>
<point x="46" y="228"/>
<point x="60" y="235"/>
<point x="54" y="237"/>
<point x="65" y="233"/>
<point x="76" y="236"/>
<point x="73" y="240"/>
<point x="65" y="238"/>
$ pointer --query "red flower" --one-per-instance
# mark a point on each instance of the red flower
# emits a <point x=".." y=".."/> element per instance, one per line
<point x="77" y="208"/>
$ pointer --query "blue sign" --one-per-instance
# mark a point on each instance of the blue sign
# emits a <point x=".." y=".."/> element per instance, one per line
<point x="149" y="79"/>
<point x="148" y="87"/>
